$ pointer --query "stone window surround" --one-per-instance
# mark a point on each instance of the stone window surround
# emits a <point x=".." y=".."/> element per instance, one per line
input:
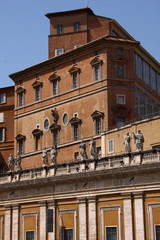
<point x="23" y="215"/>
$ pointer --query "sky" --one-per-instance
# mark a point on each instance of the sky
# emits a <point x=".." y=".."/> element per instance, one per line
<point x="24" y="29"/>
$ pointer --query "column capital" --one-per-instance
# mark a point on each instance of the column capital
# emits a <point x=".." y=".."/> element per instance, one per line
<point x="91" y="198"/>
<point x="126" y="195"/>
<point x="42" y="203"/>
<point x="137" y="195"/>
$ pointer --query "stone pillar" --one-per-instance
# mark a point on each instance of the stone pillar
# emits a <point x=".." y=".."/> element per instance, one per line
<point x="7" y="223"/>
<point x="43" y="220"/>
<point x="103" y="144"/>
<point x="82" y="219"/>
<point x="128" y="218"/>
<point x="52" y="235"/>
<point x="139" y="216"/>
<point x="92" y="222"/>
<point x="15" y="222"/>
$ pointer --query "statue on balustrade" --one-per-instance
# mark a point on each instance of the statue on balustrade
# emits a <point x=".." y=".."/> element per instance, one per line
<point x="127" y="140"/>
<point x="138" y="140"/>
<point x="53" y="155"/>
<point x="83" y="150"/>
<point x="93" y="150"/>
<point x="18" y="162"/>
<point x="11" y="162"/>
<point x="45" y="157"/>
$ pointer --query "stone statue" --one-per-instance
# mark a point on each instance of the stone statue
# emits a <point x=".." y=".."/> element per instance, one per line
<point x="126" y="143"/>
<point x="55" y="115"/>
<point x="93" y="150"/>
<point x="83" y="150"/>
<point x="138" y="140"/>
<point x="45" y="157"/>
<point x="11" y="162"/>
<point x="18" y="162"/>
<point x="53" y="155"/>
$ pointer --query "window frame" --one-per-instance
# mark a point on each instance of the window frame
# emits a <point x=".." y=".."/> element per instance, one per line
<point x="111" y="227"/>
<point x="76" y="26"/>
<point x="120" y="95"/>
<point x="1" y="117"/>
<point x="66" y="229"/>
<point x="111" y="150"/>
<point x="76" y="132"/>
<point x="60" y="29"/>
<point x="3" y="98"/>
<point x="28" y="232"/>
<point x="3" y="136"/>
<point x="98" y="125"/>
<point x="57" y="50"/>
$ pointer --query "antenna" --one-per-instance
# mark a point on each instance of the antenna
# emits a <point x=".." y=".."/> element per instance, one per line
<point x="88" y="3"/>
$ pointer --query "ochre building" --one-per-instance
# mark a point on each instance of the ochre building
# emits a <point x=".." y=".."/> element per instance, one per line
<point x="86" y="161"/>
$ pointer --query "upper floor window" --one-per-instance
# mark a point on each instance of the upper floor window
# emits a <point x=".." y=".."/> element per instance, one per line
<point x="59" y="29"/>
<point x="20" y="96"/>
<point x="97" y="117"/>
<point x="2" y="134"/>
<point x="55" y="128"/>
<point x="1" y="117"/>
<point x="120" y="70"/>
<point x="111" y="146"/>
<point x="54" y="79"/>
<point x="97" y="68"/>
<point x="120" y="99"/>
<point x="49" y="219"/>
<point x="20" y="143"/>
<point x="37" y="133"/>
<point x="76" y="26"/>
<point x="75" y="123"/>
<point x="37" y="85"/>
<point x="59" y="51"/>
<point x="2" y="98"/>
<point x="74" y="71"/>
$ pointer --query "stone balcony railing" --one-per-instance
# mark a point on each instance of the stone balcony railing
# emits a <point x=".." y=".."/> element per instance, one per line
<point x="90" y="165"/>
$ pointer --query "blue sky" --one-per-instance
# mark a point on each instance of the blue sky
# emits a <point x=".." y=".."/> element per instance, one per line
<point x="24" y="29"/>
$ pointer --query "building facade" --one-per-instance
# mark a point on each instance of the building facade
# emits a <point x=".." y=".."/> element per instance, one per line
<point x="86" y="151"/>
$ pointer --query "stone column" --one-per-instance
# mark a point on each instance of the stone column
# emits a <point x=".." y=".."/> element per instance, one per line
<point x="139" y="216"/>
<point x="52" y="205"/>
<point x="7" y="223"/>
<point x="103" y="144"/>
<point x="92" y="222"/>
<point x="15" y="222"/>
<point x="43" y="233"/>
<point x="128" y="218"/>
<point x="82" y="219"/>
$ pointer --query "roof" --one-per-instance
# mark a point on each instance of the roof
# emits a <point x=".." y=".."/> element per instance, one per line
<point x="48" y="15"/>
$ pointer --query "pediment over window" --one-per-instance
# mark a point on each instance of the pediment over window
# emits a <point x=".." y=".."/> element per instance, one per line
<point x="20" y="90"/>
<point x="54" y="127"/>
<point x="54" y="77"/>
<point x="37" y="84"/>
<point x="37" y="132"/>
<point x="97" y="114"/>
<point x="20" y="137"/>
<point x="75" y="120"/>
<point x="74" y="70"/>
<point x="96" y="61"/>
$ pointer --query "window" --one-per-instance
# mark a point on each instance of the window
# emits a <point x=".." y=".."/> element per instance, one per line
<point x="111" y="233"/>
<point x="2" y="134"/>
<point x="59" y="51"/>
<point x="37" y="93"/>
<point x="59" y="29"/>
<point x="68" y="234"/>
<point x="3" y="98"/>
<point x="97" y="65"/>
<point x="75" y="80"/>
<point x="55" y="87"/>
<point x="29" y="235"/>
<point x="46" y="124"/>
<point x="65" y="119"/>
<point x="49" y="220"/>
<point x="98" y="126"/>
<point x="1" y="117"/>
<point x="111" y="146"/>
<point x="120" y="70"/>
<point x="97" y="72"/>
<point x="120" y="51"/>
<point x="37" y="143"/>
<point x="1" y="168"/>
<point x="20" y="99"/>
<point x="75" y="132"/>
<point x="99" y="152"/>
<point x="121" y="99"/>
<point x="157" y="228"/>
<point x="76" y="155"/>
<point x="37" y="133"/>
<point x="120" y="122"/>
<point x="76" y="26"/>
<point x="20" y="143"/>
